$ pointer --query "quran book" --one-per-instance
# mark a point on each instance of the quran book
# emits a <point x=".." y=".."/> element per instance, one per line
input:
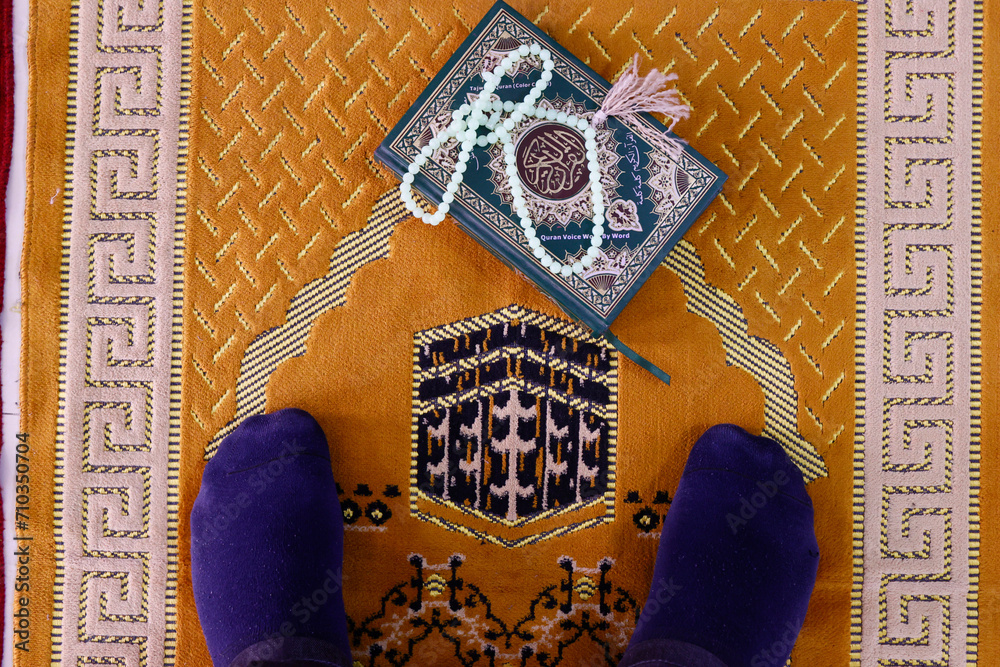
<point x="651" y="197"/>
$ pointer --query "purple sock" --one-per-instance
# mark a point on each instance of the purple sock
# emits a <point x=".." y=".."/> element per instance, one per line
<point x="267" y="538"/>
<point x="737" y="559"/>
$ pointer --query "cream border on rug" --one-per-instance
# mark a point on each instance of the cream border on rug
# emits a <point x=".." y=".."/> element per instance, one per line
<point x="916" y="561"/>
<point x="117" y="447"/>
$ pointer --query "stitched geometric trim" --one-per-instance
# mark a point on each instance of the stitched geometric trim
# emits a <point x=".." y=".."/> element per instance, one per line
<point x="759" y="357"/>
<point x="273" y="347"/>
<point x="918" y="358"/>
<point x="117" y="439"/>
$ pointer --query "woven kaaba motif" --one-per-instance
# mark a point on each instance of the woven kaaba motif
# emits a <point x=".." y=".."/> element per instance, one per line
<point x="514" y="421"/>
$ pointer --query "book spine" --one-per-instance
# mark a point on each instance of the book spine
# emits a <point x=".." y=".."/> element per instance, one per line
<point x="391" y="160"/>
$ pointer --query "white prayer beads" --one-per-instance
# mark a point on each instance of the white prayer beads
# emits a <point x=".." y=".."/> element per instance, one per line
<point x="486" y="115"/>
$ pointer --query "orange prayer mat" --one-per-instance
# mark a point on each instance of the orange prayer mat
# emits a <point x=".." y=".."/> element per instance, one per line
<point x="209" y="237"/>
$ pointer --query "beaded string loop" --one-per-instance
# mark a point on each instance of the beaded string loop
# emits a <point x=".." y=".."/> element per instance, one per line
<point x="486" y="122"/>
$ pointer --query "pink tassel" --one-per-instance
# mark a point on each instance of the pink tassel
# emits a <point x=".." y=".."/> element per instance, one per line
<point x="632" y="94"/>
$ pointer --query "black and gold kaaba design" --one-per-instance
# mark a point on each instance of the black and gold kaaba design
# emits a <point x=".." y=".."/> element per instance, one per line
<point x="514" y="422"/>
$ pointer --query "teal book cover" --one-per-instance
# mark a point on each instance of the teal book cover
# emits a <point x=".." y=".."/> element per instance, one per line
<point x="651" y="197"/>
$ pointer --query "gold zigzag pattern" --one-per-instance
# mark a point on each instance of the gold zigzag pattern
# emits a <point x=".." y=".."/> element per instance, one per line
<point x="289" y="340"/>
<point x="292" y="103"/>
<point x="778" y="241"/>
<point x="757" y="356"/>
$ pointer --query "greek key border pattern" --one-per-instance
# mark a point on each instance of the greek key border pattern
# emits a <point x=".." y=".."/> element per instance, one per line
<point x="118" y="427"/>
<point x="916" y="465"/>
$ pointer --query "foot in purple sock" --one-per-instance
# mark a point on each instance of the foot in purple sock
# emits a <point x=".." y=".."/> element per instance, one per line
<point x="267" y="538"/>
<point x="737" y="559"/>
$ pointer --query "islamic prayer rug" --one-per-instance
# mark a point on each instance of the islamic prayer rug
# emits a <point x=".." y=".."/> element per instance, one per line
<point x="209" y="237"/>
